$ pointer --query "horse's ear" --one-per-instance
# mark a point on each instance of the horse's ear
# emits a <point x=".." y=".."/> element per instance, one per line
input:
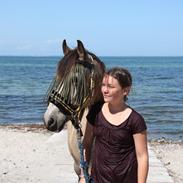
<point x="65" y="48"/>
<point x="80" y="50"/>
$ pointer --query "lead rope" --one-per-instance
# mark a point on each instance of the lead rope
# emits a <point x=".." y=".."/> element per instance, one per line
<point x="83" y="163"/>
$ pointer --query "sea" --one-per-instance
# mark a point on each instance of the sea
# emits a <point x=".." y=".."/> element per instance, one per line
<point x="157" y="91"/>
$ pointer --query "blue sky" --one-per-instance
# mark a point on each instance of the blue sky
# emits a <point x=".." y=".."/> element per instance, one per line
<point x="106" y="27"/>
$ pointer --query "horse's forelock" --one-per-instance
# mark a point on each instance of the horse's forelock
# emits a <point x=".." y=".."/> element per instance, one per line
<point x="66" y="63"/>
<point x="69" y="60"/>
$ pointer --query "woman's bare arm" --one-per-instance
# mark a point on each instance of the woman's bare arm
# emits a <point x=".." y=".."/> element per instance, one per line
<point x="140" y="140"/>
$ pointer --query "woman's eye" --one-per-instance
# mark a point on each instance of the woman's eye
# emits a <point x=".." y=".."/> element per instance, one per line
<point x="107" y="85"/>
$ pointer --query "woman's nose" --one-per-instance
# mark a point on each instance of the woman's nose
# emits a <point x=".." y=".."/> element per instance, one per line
<point x="106" y="89"/>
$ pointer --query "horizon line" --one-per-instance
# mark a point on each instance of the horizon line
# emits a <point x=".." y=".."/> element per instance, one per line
<point x="97" y="56"/>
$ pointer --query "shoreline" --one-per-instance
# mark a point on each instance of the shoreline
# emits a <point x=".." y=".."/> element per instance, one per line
<point x="41" y="127"/>
<point x="32" y="136"/>
<point x="24" y="127"/>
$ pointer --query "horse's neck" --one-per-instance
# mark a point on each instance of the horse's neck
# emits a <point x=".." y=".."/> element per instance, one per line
<point x="72" y="141"/>
<point x="72" y="133"/>
<point x="83" y="121"/>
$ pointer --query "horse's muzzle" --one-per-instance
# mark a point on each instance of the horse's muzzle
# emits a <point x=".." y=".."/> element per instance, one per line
<point x="51" y="125"/>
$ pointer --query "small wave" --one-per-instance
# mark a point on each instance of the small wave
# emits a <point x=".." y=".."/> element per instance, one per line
<point x="163" y="78"/>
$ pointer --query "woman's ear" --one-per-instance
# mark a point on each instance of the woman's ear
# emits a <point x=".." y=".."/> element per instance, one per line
<point x="127" y="90"/>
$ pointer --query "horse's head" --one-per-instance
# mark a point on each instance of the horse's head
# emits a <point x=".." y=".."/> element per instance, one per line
<point x="76" y="86"/>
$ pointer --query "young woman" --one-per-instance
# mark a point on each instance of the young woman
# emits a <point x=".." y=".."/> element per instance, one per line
<point x="119" y="154"/>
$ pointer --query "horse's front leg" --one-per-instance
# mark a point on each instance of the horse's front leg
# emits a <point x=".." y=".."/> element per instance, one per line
<point x="73" y="147"/>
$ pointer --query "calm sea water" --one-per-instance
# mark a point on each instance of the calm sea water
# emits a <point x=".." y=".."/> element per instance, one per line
<point x="157" y="90"/>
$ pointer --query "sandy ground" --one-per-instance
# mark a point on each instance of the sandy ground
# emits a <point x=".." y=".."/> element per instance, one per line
<point x="34" y="155"/>
<point x="31" y="154"/>
<point x="171" y="154"/>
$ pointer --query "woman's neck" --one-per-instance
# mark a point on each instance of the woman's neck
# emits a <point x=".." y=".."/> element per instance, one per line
<point x="118" y="107"/>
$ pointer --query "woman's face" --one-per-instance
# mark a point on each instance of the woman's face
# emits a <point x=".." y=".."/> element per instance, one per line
<point x="112" y="91"/>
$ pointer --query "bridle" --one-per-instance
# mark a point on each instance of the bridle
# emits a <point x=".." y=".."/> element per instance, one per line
<point x="57" y="98"/>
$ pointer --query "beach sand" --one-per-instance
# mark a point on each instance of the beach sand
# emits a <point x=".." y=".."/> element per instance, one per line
<point x="171" y="154"/>
<point x="31" y="154"/>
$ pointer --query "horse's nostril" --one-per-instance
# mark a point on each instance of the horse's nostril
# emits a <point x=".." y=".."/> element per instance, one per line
<point x="52" y="125"/>
<point x="51" y="122"/>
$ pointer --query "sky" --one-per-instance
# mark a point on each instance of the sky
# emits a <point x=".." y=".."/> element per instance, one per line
<point x="106" y="27"/>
